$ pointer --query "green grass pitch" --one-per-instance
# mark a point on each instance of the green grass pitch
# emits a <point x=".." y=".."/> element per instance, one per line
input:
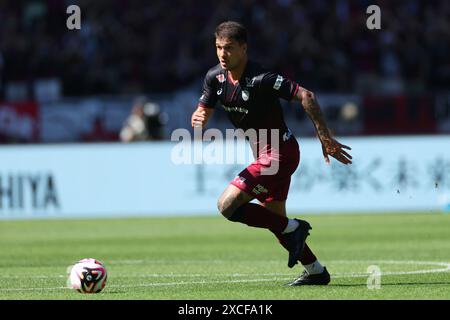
<point x="212" y="258"/>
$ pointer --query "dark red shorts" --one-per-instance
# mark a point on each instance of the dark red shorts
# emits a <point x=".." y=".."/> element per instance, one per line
<point x="254" y="179"/>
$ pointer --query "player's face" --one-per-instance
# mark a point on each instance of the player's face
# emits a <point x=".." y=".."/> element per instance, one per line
<point x="230" y="52"/>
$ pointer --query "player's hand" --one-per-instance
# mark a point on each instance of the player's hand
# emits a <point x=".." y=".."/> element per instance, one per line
<point x="198" y="118"/>
<point x="330" y="147"/>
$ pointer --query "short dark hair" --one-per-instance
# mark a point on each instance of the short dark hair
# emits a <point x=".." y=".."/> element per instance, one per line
<point x="231" y="30"/>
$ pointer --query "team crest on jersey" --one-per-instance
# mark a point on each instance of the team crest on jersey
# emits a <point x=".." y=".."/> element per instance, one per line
<point x="219" y="92"/>
<point x="220" y="77"/>
<point x="245" y="95"/>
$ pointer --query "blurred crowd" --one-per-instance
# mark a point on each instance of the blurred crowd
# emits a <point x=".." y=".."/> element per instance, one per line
<point x="130" y="47"/>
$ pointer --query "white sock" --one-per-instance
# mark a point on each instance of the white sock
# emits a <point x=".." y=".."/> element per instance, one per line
<point x="314" y="268"/>
<point x="291" y="226"/>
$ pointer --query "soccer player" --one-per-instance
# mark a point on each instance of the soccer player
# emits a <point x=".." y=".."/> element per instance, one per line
<point x="250" y="96"/>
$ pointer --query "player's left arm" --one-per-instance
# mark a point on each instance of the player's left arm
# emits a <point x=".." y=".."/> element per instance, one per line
<point x="330" y="146"/>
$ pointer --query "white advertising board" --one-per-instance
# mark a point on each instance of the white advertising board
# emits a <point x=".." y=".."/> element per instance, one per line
<point x="107" y="180"/>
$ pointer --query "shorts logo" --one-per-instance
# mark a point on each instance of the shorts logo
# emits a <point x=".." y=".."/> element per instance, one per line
<point x="259" y="189"/>
<point x="202" y="97"/>
<point x="239" y="180"/>
<point x="221" y="77"/>
<point x="278" y="82"/>
<point x="245" y="95"/>
<point x="219" y="92"/>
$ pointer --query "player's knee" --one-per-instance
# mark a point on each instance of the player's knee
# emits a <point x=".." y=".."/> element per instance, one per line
<point x="230" y="209"/>
<point x="225" y="207"/>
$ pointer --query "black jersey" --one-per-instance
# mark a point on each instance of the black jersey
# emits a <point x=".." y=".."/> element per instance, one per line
<point x="253" y="103"/>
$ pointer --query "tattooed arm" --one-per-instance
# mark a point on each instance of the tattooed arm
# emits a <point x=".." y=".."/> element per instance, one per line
<point x="329" y="145"/>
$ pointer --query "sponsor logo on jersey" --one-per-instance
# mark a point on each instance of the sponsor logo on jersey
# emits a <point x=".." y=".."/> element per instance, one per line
<point x="245" y="95"/>
<point x="237" y="109"/>
<point x="219" y="92"/>
<point x="221" y="77"/>
<point x="278" y="82"/>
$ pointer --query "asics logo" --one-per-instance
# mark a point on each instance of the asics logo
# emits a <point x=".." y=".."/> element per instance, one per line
<point x="287" y="135"/>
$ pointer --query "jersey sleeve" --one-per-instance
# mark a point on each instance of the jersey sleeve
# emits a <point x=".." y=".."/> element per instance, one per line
<point x="279" y="86"/>
<point x="209" y="95"/>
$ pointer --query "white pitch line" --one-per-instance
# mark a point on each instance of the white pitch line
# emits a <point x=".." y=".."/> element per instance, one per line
<point x="391" y="262"/>
<point x="33" y="289"/>
<point x="158" y="284"/>
<point x="446" y="268"/>
<point x="164" y="261"/>
<point x="9" y="276"/>
<point x="187" y="275"/>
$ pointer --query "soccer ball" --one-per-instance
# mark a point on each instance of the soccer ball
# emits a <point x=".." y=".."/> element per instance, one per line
<point x="87" y="276"/>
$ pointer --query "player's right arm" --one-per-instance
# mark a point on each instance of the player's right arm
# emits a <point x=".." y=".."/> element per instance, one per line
<point x="207" y="101"/>
<point x="201" y="115"/>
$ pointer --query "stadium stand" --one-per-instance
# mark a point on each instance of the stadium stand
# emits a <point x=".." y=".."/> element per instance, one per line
<point x="130" y="48"/>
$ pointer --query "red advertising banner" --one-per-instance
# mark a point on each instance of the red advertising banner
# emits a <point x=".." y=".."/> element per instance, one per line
<point x="399" y="115"/>
<point x="19" y="122"/>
